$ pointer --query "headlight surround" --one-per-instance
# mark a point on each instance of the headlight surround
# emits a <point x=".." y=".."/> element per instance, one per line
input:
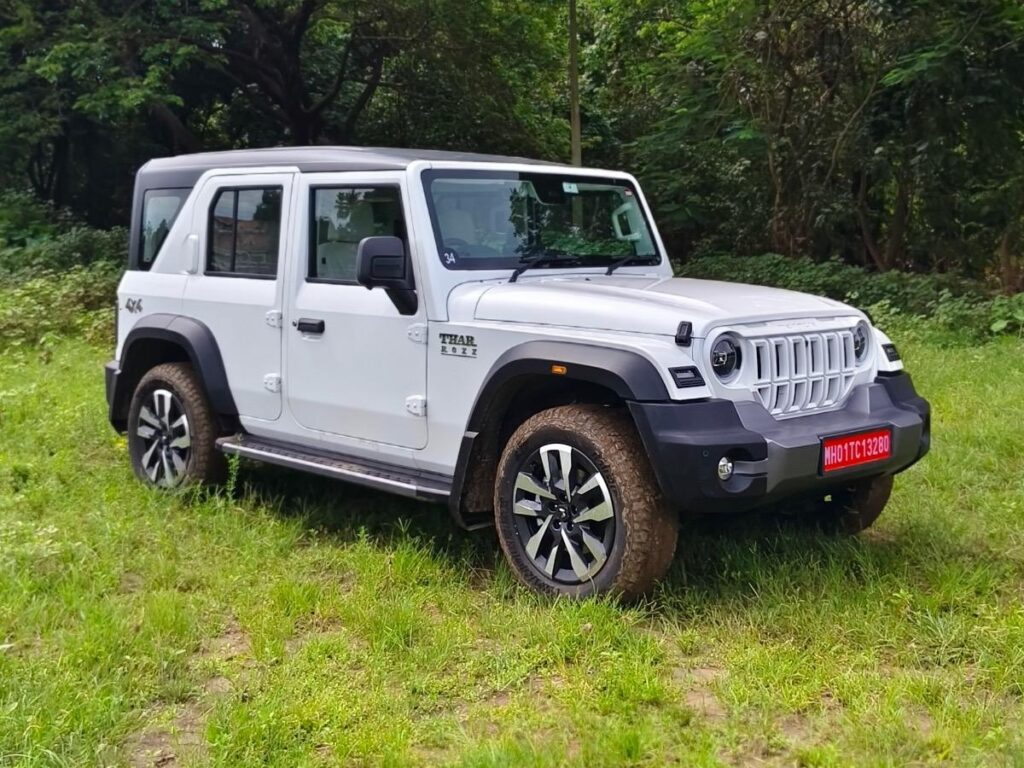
<point x="861" y="341"/>
<point x="726" y="357"/>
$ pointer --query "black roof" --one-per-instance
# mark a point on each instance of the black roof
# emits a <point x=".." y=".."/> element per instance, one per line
<point x="312" y="159"/>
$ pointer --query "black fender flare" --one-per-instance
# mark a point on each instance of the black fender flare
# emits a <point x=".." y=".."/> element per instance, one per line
<point x="195" y="339"/>
<point x="630" y="375"/>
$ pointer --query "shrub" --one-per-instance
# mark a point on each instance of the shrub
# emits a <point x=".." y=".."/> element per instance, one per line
<point x="57" y="276"/>
<point x="24" y="220"/>
<point x="78" y="246"/>
<point x="36" y="237"/>
<point x="77" y="301"/>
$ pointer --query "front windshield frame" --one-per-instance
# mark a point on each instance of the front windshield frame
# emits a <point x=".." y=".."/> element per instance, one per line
<point x="513" y="261"/>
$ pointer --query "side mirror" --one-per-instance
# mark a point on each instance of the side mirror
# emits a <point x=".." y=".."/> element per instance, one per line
<point x="381" y="262"/>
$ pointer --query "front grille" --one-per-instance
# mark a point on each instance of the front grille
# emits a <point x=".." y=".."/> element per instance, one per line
<point x="805" y="372"/>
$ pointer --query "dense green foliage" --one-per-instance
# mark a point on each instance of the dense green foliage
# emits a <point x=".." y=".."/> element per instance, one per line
<point x="293" y="621"/>
<point x="888" y="134"/>
<point x="885" y="134"/>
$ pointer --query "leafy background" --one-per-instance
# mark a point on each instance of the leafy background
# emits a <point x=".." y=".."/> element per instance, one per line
<point x="873" y="149"/>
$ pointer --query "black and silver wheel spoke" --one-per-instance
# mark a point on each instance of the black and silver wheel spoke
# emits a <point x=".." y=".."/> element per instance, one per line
<point x="166" y="439"/>
<point x="563" y="514"/>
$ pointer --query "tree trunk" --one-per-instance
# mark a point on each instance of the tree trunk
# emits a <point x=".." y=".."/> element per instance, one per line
<point x="867" y="234"/>
<point x="895" y="241"/>
<point x="1011" y="265"/>
<point x="182" y="141"/>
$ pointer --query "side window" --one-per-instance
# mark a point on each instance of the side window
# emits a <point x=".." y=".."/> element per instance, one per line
<point x="244" y="232"/>
<point x="340" y="218"/>
<point x="159" y="210"/>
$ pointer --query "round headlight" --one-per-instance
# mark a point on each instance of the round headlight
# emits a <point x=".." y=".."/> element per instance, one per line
<point x="861" y="334"/>
<point x="725" y="357"/>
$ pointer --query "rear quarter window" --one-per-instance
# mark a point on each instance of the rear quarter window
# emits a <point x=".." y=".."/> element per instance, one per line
<point x="160" y="207"/>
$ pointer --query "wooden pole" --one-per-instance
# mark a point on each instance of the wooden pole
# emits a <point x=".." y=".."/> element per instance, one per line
<point x="574" y="87"/>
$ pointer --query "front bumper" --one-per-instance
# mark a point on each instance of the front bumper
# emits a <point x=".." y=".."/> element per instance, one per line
<point x="773" y="459"/>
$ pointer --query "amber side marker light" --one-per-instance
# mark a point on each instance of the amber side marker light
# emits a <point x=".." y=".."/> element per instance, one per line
<point x="559" y="370"/>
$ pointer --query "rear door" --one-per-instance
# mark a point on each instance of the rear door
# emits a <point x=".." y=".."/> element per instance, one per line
<point x="356" y="368"/>
<point x="242" y="224"/>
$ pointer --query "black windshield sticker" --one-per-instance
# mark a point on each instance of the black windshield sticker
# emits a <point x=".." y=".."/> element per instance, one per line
<point x="450" y="256"/>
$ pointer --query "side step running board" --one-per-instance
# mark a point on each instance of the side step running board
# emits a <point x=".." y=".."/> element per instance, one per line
<point x="419" y="485"/>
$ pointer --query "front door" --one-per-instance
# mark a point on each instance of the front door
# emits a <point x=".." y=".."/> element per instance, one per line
<point x="355" y="367"/>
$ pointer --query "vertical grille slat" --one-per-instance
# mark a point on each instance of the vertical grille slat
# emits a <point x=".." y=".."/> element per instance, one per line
<point x="799" y="373"/>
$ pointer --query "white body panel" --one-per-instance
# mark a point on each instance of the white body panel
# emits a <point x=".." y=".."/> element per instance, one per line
<point x="638" y="304"/>
<point x="364" y="387"/>
<point x="354" y="380"/>
<point x="235" y="308"/>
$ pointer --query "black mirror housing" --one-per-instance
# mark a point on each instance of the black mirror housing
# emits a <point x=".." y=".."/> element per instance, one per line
<point x="381" y="262"/>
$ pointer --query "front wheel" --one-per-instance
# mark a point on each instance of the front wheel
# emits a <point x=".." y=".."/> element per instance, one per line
<point x="577" y="507"/>
<point x="172" y="430"/>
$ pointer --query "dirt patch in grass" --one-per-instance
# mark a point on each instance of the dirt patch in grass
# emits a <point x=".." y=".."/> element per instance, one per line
<point x="795" y="729"/>
<point x="228" y="645"/>
<point x="699" y="696"/>
<point x="170" y="744"/>
<point x="130" y="583"/>
<point x="173" y="736"/>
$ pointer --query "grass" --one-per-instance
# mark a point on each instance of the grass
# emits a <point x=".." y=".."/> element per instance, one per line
<point x="288" y="621"/>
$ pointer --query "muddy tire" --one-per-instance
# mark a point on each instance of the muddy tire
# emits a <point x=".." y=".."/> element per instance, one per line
<point x="172" y="431"/>
<point x="577" y="506"/>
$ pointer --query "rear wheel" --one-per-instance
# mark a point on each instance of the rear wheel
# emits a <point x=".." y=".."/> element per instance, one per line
<point x="172" y="430"/>
<point x="577" y="507"/>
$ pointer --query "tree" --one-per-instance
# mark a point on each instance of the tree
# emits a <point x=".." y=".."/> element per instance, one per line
<point x="831" y="127"/>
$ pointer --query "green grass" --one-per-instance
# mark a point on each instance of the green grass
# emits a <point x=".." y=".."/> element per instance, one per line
<point x="290" y="621"/>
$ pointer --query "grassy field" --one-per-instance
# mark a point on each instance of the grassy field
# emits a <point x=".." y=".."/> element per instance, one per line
<point x="289" y="621"/>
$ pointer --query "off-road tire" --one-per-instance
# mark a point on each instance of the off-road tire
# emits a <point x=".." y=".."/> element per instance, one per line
<point x="204" y="465"/>
<point x="645" y="528"/>
<point x="856" y="508"/>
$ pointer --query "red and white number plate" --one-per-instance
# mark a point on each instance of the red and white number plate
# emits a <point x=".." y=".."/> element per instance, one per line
<point x="853" y="450"/>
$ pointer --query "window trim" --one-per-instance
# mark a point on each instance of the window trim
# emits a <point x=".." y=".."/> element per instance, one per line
<point x="142" y="265"/>
<point x="234" y="234"/>
<point x="311" y="239"/>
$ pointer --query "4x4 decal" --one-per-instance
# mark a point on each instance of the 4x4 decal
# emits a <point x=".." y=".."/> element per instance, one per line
<point x="134" y="306"/>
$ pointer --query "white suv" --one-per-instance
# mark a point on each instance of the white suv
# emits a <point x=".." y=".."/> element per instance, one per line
<point x="500" y="334"/>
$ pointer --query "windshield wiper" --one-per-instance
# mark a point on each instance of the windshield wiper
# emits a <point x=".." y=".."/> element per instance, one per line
<point x="540" y="260"/>
<point x="620" y="263"/>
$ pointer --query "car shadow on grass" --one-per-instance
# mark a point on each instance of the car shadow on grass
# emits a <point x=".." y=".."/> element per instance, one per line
<point x="718" y="558"/>
<point x="345" y="512"/>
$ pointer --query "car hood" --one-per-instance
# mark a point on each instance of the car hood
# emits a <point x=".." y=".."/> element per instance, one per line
<point x="635" y="304"/>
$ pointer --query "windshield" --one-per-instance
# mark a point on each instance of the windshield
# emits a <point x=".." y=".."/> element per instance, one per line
<point x="498" y="220"/>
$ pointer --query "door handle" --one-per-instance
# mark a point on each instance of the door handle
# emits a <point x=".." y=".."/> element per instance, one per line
<point x="306" y="325"/>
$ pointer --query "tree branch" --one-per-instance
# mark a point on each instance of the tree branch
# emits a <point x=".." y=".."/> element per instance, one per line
<point x="339" y="79"/>
<point x="364" y="98"/>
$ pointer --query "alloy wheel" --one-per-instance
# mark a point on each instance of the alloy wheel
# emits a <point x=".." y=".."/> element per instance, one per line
<point x="166" y="439"/>
<point x="563" y="514"/>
